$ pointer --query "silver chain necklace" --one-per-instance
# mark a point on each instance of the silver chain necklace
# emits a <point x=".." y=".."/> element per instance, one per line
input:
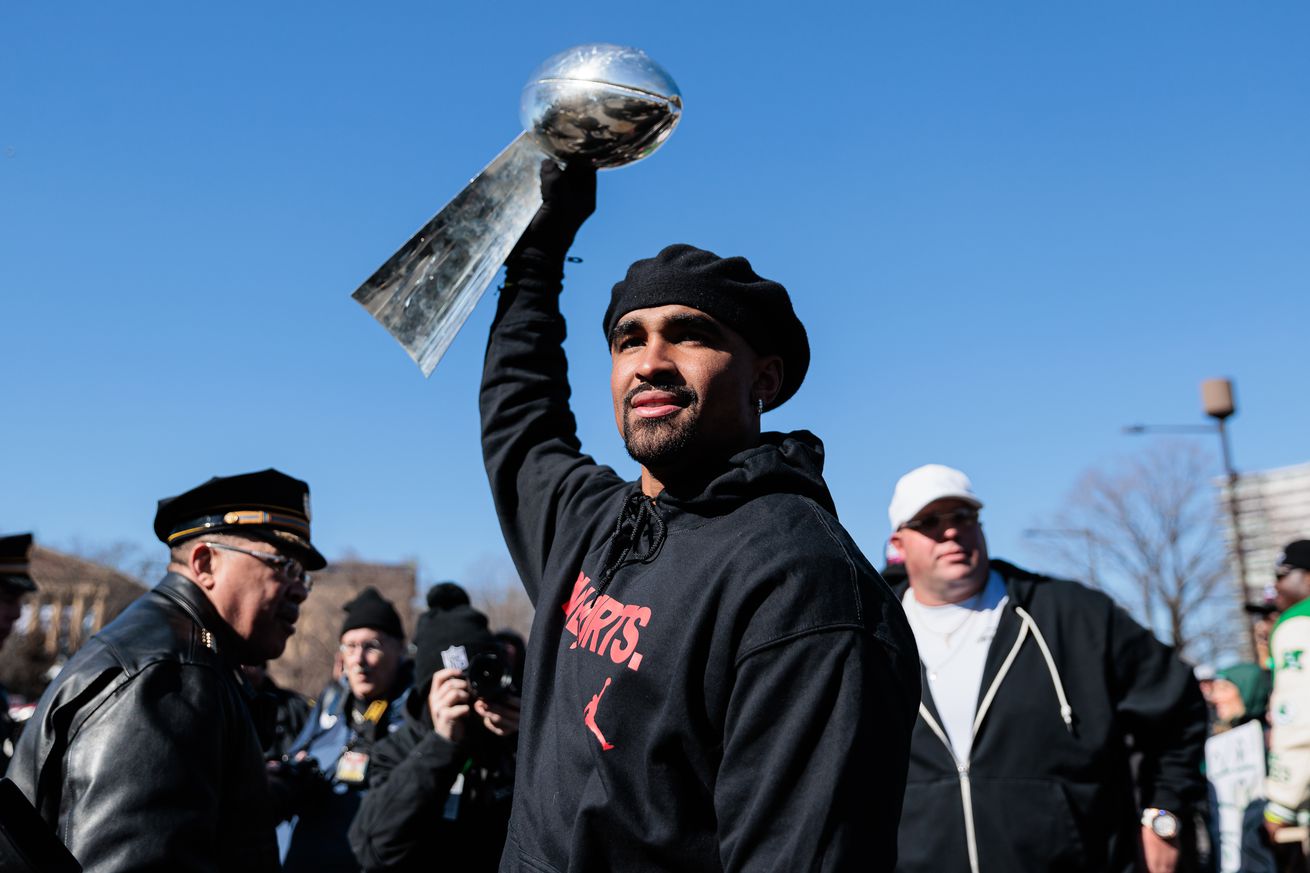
<point x="972" y="612"/>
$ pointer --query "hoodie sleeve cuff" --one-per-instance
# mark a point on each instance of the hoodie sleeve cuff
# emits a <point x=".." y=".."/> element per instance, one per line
<point x="1162" y="798"/>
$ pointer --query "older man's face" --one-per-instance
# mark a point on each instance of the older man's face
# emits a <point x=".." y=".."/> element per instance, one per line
<point x="684" y="386"/>
<point x="254" y="597"/>
<point x="945" y="551"/>
<point x="370" y="659"/>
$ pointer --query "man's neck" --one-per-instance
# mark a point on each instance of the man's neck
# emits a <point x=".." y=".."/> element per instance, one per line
<point x="236" y="647"/>
<point x="682" y="481"/>
<point x="651" y="485"/>
<point x="691" y="476"/>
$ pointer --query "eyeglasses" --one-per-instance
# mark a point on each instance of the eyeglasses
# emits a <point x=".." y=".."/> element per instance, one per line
<point x="288" y="568"/>
<point x="371" y="647"/>
<point x="935" y="521"/>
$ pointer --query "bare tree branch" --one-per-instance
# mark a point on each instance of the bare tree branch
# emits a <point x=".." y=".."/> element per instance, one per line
<point x="1153" y="521"/>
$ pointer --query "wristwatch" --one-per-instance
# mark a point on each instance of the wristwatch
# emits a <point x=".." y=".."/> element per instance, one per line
<point x="1162" y="822"/>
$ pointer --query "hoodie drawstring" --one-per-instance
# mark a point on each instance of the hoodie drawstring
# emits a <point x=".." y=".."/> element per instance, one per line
<point x="1028" y="626"/>
<point x="637" y="511"/>
<point x="1066" y="711"/>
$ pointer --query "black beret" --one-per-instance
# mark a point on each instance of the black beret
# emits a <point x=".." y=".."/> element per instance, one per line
<point x="371" y="610"/>
<point x="1296" y="556"/>
<point x="728" y="290"/>
<point x="449" y="621"/>
<point x="15" y="572"/>
<point x="267" y="505"/>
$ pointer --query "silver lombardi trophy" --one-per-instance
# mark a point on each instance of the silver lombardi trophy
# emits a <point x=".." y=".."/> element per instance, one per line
<point x="604" y="104"/>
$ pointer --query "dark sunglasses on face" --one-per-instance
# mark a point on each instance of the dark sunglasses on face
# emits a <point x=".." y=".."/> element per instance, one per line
<point x="288" y="568"/>
<point x="936" y="521"/>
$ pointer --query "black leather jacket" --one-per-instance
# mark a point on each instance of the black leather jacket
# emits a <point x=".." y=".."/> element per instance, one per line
<point x="142" y="753"/>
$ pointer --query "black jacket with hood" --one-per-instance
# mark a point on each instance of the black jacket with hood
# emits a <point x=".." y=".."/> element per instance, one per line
<point x="411" y="821"/>
<point x="715" y="681"/>
<point x="1069" y="679"/>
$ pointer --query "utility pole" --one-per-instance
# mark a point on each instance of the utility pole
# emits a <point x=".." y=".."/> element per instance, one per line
<point x="1217" y="399"/>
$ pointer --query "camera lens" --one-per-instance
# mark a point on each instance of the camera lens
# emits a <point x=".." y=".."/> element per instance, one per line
<point x="489" y="676"/>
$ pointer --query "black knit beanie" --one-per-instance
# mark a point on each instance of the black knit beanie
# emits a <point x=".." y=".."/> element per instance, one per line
<point x="727" y="289"/>
<point x="449" y="621"/>
<point x="371" y="610"/>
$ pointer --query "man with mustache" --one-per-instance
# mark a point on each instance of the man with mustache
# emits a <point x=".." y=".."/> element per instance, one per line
<point x="717" y="679"/>
<point x="142" y="753"/>
<point x="1033" y="688"/>
<point x="328" y="766"/>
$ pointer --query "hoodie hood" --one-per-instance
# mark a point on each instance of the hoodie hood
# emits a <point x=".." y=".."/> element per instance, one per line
<point x="790" y="463"/>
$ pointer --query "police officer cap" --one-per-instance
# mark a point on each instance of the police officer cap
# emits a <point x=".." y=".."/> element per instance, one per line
<point x="15" y="573"/>
<point x="268" y="505"/>
<point x="727" y="289"/>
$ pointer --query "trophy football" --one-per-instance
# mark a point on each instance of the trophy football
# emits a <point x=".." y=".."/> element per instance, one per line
<point x="605" y="104"/>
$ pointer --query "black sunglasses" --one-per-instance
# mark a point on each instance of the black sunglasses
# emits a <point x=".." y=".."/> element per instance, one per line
<point x="935" y="521"/>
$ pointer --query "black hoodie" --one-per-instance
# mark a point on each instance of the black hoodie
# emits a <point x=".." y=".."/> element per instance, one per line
<point x="715" y="681"/>
<point x="1047" y="788"/>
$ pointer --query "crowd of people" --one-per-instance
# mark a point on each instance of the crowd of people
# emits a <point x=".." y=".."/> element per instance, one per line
<point x="717" y="677"/>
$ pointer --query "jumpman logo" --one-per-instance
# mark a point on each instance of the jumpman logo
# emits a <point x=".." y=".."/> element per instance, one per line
<point x="589" y="717"/>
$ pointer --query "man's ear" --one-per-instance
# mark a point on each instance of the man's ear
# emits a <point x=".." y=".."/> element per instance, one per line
<point x="201" y="564"/>
<point x="768" y="378"/>
<point x="895" y="540"/>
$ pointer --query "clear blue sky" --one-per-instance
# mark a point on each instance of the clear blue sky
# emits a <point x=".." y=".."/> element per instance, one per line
<point x="1010" y="228"/>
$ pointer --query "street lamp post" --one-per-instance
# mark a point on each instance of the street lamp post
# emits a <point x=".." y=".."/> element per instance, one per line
<point x="1217" y="398"/>
<point x="1217" y="401"/>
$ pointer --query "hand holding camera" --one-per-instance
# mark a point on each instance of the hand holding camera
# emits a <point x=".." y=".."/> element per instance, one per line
<point x="500" y="717"/>
<point x="449" y="701"/>
<point x="483" y="688"/>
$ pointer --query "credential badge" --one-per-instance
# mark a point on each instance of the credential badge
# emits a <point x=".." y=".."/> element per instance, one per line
<point x="455" y="658"/>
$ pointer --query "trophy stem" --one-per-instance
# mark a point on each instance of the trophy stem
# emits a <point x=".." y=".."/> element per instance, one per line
<point x="425" y="292"/>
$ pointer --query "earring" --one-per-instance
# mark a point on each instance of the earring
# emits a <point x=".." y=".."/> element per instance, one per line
<point x="759" y="405"/>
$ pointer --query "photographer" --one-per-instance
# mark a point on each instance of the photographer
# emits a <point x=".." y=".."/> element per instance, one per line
<point x="441" y="785"/>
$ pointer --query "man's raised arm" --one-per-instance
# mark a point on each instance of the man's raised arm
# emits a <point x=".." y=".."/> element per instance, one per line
<point x="529" y="440"/>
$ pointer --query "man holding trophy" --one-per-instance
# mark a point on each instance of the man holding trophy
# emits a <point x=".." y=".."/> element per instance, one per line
<point x="717" y="678"/>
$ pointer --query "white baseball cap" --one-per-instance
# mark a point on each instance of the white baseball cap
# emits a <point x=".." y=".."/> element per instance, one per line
<point x="922" y="485"/>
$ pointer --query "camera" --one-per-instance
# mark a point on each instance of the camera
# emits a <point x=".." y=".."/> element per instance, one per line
<point x="491" y="676"/>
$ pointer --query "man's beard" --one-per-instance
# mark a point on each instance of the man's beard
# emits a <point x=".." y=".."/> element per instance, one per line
<point x="660" y="442"/>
